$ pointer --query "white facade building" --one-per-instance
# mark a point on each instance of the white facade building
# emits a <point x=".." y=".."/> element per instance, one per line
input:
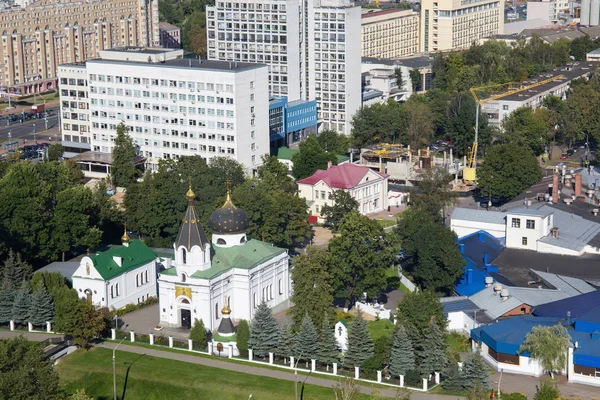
<point x="74" y="106"/>
<point x="173" y="106"/>
<point x="369" y="188"/>
<point x="119" y="276"/>
<point x="229" y="271"/>
<point x="312" y="49"/>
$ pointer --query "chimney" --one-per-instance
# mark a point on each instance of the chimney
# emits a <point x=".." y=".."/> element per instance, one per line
<point x="555" y="188"/>
<point x="578" y="184"/>
<point x="480" y="237"/>
<point x="485" y="259"/>
<point x="329" y="164"/>
<point x="469" y="276"/>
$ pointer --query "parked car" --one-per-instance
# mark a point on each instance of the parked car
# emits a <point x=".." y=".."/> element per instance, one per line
<point x="564" y="156"/>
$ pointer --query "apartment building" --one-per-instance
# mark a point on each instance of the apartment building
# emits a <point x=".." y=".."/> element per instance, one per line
<point x="310" y="48"/>
<point x="389" y="33"/>
<point x="170" y="36"/>
<point x="44" y="34"/>
<point x="456" y="24"/>
<point x="173" y="106"/>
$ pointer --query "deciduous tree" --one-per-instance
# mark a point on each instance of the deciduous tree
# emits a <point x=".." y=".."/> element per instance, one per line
<point x="55" y="152"/>
<point x="342" y="204"/>
<point x="378" y="123"/>
<point x="333" y="141"/>
<point x="508" y="169"/>
<point x="419" y="309"/>
<point x="528" y="127"/>
<point x="548" y="345"/>
<point x="123" y="158"/>
<point x="310" y="158"/>
<point x="312" y="291"/>
<point x="264" y="335"/>
<point x="417" y="121"/>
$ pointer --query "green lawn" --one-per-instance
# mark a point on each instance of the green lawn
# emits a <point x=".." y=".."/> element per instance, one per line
<point x="155" y="378"/>
<point x="383" y="327"/>
<point x="458" y="342"/>
<point x="386" y="222"/>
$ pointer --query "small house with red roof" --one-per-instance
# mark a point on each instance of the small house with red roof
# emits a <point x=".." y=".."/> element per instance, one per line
<point x="368" y="187"/>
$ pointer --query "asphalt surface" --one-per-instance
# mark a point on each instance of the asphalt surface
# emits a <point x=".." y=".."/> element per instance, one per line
<point x="25" y="131"/>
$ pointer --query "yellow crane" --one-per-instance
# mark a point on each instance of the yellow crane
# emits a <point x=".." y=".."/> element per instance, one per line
<point x="470" y="170"/>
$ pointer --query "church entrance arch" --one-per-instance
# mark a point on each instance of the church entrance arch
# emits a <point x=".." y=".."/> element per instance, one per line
<point x="88" y="295"/>
<point x="185" y="314"/>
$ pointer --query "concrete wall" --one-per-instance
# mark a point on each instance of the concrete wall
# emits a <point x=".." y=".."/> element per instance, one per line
<point x="464" y="228"/>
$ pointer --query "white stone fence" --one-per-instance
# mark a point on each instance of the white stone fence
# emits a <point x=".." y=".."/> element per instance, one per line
<point x="374" y="309"/>
<point x="30" y="327"/>
<point x="292" y="365"/>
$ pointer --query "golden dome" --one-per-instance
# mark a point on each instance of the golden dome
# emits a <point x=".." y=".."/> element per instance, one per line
<point x="226" y="310"/>
<point x="125" y="237"/>
<point x="190" y="195"/>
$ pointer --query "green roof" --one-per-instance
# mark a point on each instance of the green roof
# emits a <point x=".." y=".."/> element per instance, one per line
<point x="343" y="321"/>
<point x="218" y="338"/>
<point x="133" y="256"/>
<point x="247" y="256"/>
<point x="285" y="153"/>
<point x="341" y="158"/>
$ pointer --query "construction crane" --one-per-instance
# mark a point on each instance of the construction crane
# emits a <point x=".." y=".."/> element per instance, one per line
<point x="470" y="170"/>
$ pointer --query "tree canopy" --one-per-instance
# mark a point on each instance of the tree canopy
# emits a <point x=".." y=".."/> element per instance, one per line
<point x="310" y="158"/>
<point x="507" y="170"/>
<point x="548" y="345"/>
<point x="343" y="203"/>
<point x="123" y="158"/>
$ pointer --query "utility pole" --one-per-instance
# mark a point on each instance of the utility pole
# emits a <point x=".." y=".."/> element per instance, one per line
<point x="114" y="362"/>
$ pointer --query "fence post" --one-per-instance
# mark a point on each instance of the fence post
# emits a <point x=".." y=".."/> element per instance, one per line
<point x="152" y="338"/>
<point x="113" y="334"/>
<point x="313" y="364"/>
<point x="12" y="325"/>
<point x="210" y="347"/>
<point x="250" y="355"/>
<point x="401" y="380"/>
<point x="190" y="345"/>
<point x="230" y="347"/>
<point x="356" y="372"/>
<point x="437" y="378"/>
<point x="48" y="327"/>
<point x="132" y="336"/>
<point x="270" y="358"/>
<point x="335" y="368"/>
<point x="424" y="384"/>
<point x="170" y="341"/>
<point x="292" y="362"/>
<point x="378" y="376"/>
<point x="29" y="326"/>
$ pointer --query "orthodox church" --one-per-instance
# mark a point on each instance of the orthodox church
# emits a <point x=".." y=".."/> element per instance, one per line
<point x="228" y="273"/>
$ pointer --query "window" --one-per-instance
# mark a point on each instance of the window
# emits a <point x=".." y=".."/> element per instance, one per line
<point x="254" y="300"/>
<point x="216" y="310"/>
<point x="516" y="223"/>
<point x="117" y="290"/>
<point x="146" y="273"/>
<point x="280" y="287"/>
<point x="183" y="277"/>
<point x="112" y="292"/>
<point x="524" y="241"/>
<point x="530" y="224"/>
<point x="137" y="280"/>
<point x="505" y="107"/>
<point x="221" y="241"/>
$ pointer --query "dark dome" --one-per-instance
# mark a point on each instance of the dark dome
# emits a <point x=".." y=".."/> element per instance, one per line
<point x="228" y="219"/>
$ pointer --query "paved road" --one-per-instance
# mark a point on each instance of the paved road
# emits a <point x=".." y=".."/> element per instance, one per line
<point x="20" y="131"/>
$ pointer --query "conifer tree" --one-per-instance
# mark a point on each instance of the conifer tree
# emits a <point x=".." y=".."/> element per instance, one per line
<point x="20" y="308"/>
<point x="8" y="273"/>
<point x="475" y="372"/>
<point x="435" y="358"/>
<point x="286" y="344"/>
<point x="7" y="298"/>
<point x="264" y="334"/>
<point x="242" y="335"/>
<point x="329" y="350"/>
<point x="22" y="270"/>
<point x="360" y="344"/>
<point x="307" y="346"/>
<point x="41" y="308"/>
<point x="452" y="379"/>
<point x="198" y="335"/>
<point x="402" y="357"/>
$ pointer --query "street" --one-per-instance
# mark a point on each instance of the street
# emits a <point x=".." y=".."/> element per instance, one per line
<point x="20" y="131"/>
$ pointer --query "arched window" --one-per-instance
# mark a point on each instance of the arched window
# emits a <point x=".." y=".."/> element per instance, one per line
<point x="112" y="291"/>
<point x="184" y="256"/>
<point x="254" y="300"/>
<point x="216" y="310"/>
<point x="137" y="280"/>
<point x="221" y="241"/>
<point x="280" y="287"/>
<point x="183" y="277"/>
<point x="243" y="239"/>
<point x="146" y="276"/>
<point x="117" y="290"/>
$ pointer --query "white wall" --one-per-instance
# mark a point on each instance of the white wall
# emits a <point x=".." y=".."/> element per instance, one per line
<point x="460" y="322"/>
<point x="341" y="336"/>
<point x="514" y="236"/>
<point x="464" y="228"/>
<point x="527" y="366"/>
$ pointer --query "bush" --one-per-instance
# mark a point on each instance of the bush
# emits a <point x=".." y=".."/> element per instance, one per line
<point x="547" y="391"/>
<point x="513" y="396"/>
<point x="134" y="307"/>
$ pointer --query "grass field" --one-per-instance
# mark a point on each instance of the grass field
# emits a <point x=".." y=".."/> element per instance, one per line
<point x="141" y="377"/>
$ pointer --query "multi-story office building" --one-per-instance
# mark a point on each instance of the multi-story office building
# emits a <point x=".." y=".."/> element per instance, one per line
<point x="172" y="106"/>
<point x="44" y="34"/>
<point x="311" y="48"/>
<point x="390" y="33"/>
<point x="291" y="122"/>
<point x="456" y="24"/>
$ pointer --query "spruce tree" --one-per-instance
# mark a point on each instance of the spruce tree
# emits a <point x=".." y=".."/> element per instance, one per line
<point x="287" y="342"/>
<point x="242" y="335"/>
<point x="402" y="357"/>
<point x="7" y="298"/>
<point x="475" y="372"/>
<point x="198" y="335"/>
<point x="264" y="334"/>
<point x="22" y="271"/>
<point x="435" y="358"/>
<point x="360" y="344"/>
<point x="41" y="308"/>
<point x="328" y="346"/>
<point x="452" y="377"/>
<point x="8" y="273"/>
<point x="20" y="308"/>
<point x="307" y="346"/>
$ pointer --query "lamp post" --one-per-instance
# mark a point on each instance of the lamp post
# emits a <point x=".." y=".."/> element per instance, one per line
<point x="114" y="362"/>
<point x="500" y="381"/>
<point x="34" y="137"/>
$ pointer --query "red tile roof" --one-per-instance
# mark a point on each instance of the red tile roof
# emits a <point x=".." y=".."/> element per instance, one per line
<point x="345" y="176"/>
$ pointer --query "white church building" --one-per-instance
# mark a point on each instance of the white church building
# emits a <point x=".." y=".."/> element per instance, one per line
<point x="229" y="271"/>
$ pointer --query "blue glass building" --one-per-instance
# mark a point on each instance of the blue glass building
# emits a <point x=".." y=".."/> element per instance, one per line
<point x="290" y="122"/>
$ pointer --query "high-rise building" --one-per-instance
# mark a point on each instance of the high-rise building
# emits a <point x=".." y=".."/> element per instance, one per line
<point x="172" y="106"/>
<point x="456" y="24"/>
<point x="590" y="12"/>
<point x="312" y="49"/>
<point x="390" y="33"/>
<point x="47" y="33"/>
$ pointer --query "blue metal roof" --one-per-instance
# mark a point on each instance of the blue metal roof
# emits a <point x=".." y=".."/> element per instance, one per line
<point x="588" y="303"/>
<point x="587" y="352"/>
